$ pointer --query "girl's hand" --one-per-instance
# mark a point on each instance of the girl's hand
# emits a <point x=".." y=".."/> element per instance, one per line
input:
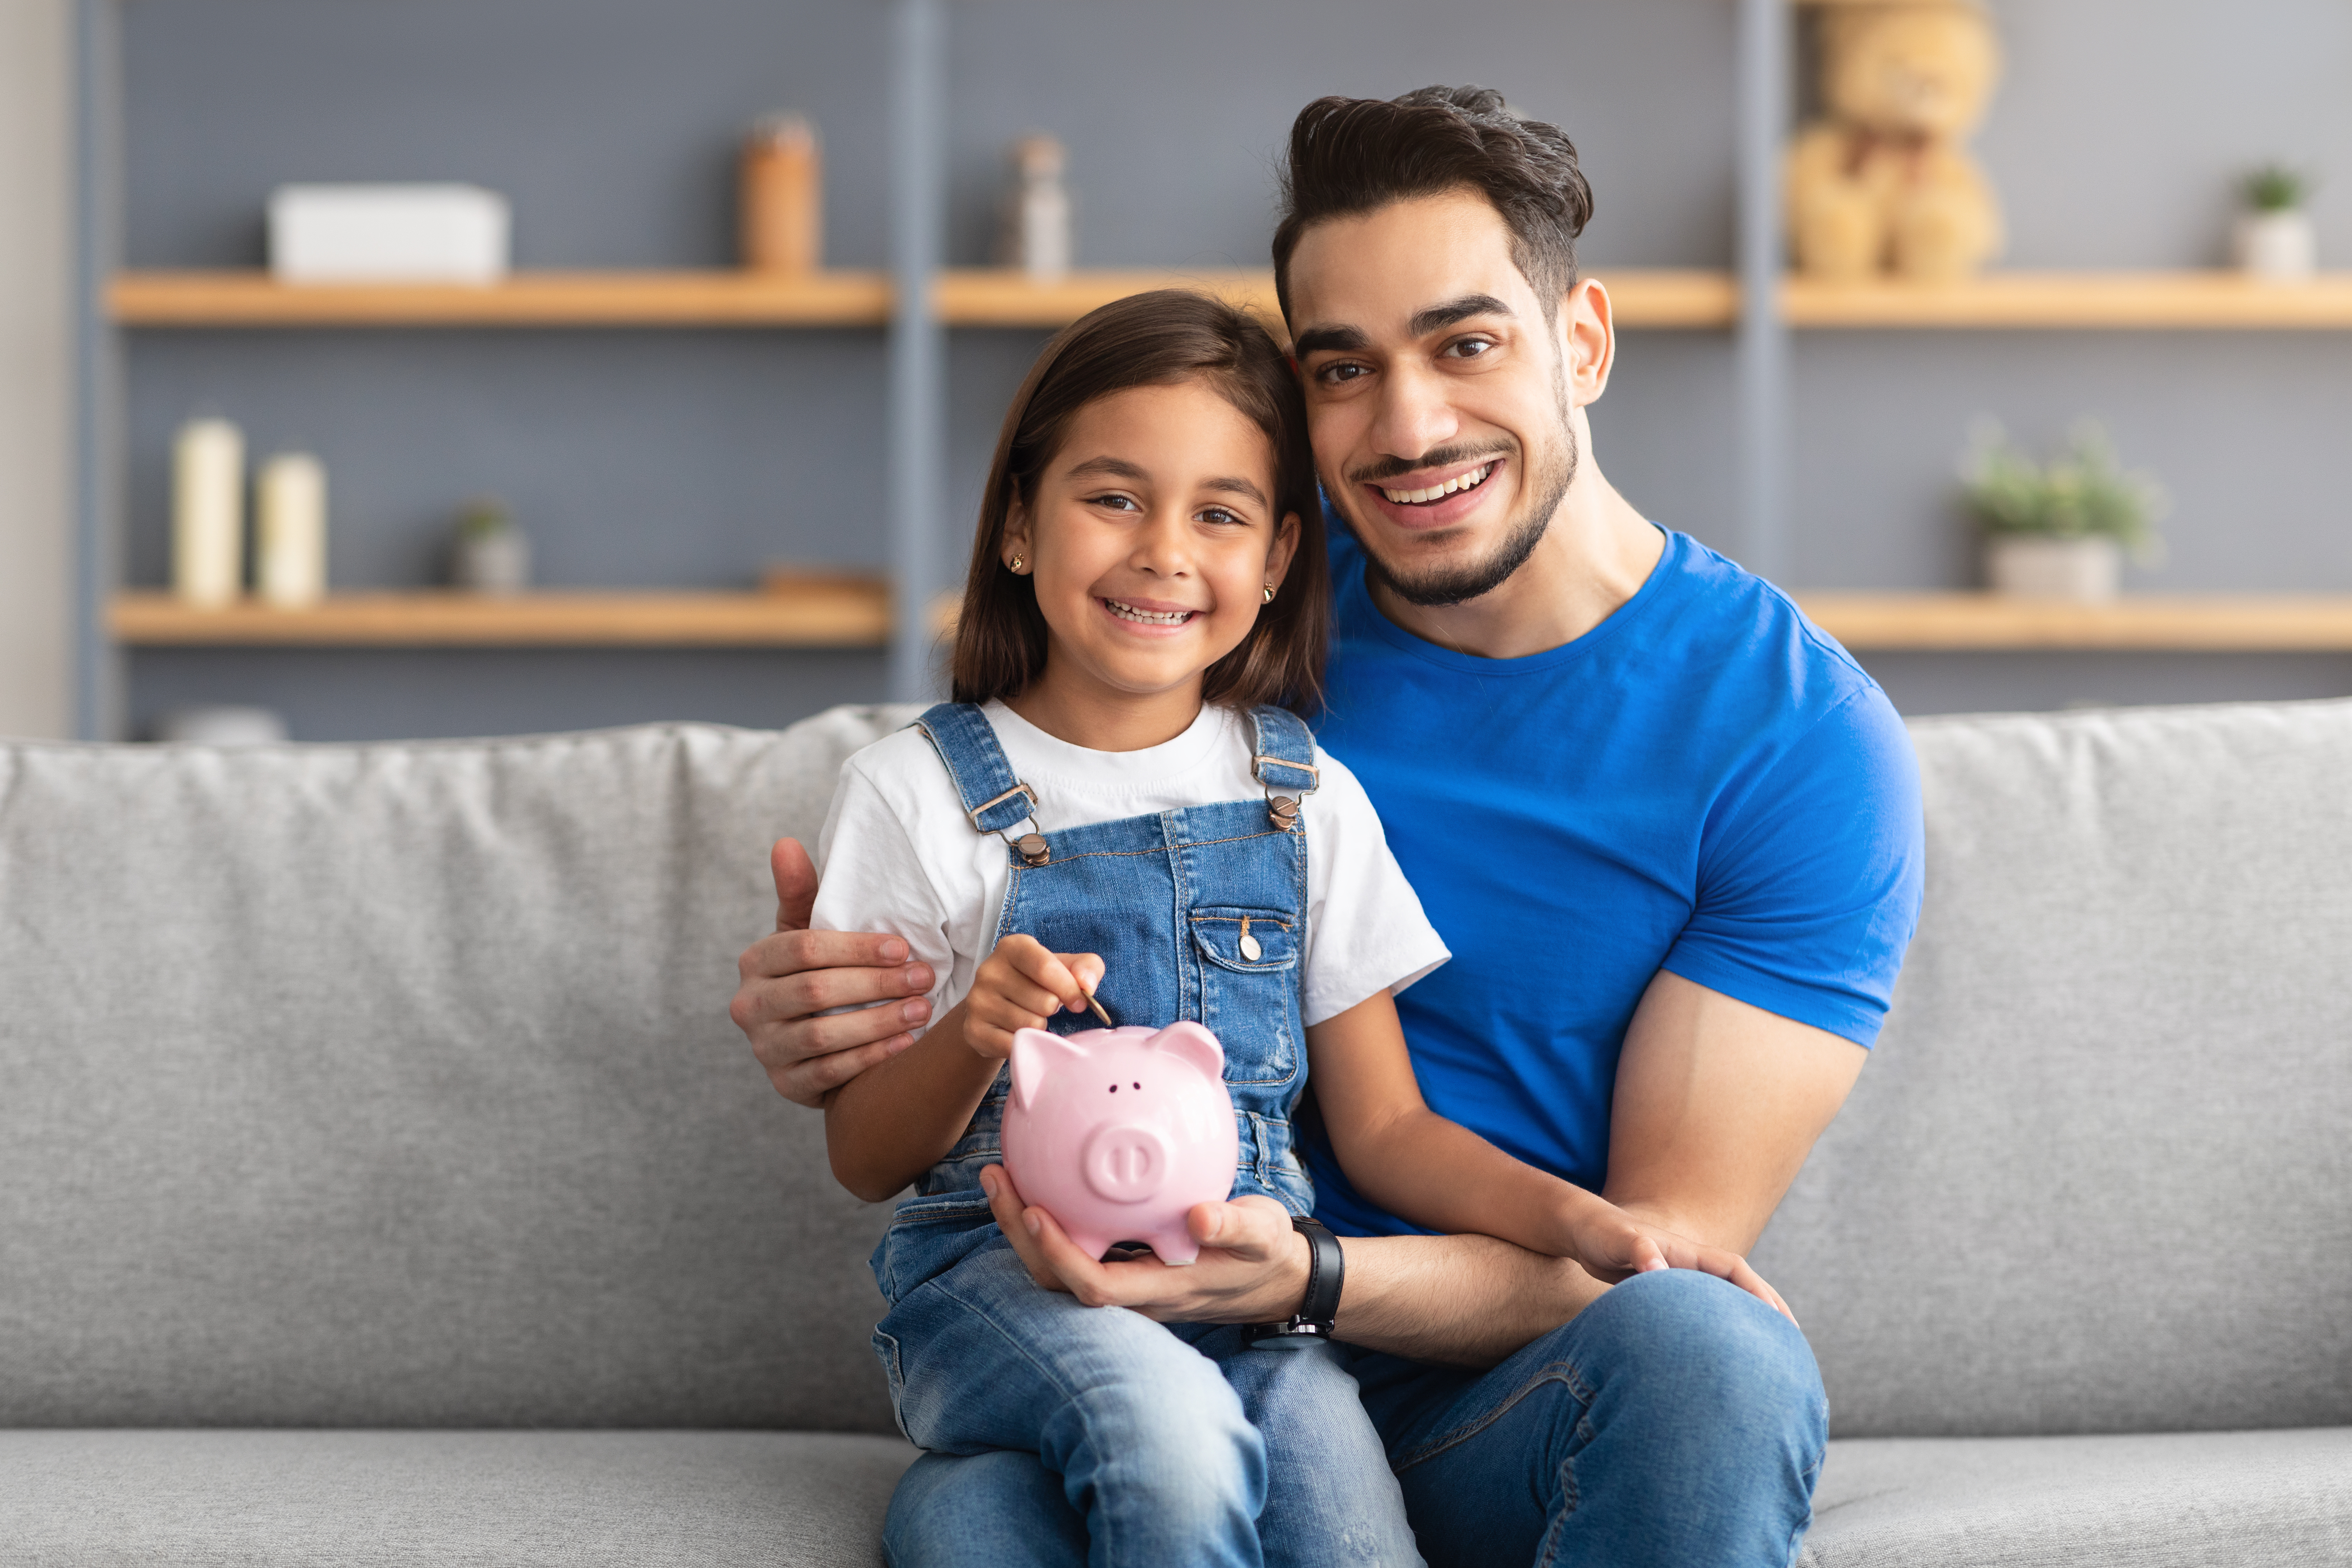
<point x="1612" y="1245"/>
<point x="1020" y="986"/>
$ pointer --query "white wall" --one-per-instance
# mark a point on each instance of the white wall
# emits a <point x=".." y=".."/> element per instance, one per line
<point x="36" y="377"/>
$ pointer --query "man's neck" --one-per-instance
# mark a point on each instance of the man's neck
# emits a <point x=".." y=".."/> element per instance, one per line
<point x="1596" y="555"/>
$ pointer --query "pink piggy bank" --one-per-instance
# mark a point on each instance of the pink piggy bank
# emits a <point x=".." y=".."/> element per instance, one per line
<point x="1118" y="1132"/>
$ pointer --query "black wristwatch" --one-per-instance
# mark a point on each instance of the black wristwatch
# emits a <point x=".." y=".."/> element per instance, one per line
<point x="1326" y="1267"/>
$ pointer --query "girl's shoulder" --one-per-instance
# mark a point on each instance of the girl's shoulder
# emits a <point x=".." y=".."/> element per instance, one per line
<point x="904" y="769"/>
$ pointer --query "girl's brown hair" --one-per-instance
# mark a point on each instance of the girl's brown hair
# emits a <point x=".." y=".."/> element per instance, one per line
<point x="1157" y="339"/>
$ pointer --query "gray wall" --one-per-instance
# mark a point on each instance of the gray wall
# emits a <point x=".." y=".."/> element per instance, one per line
<point x="689" y="459"/>
<point x="36" y="382"/>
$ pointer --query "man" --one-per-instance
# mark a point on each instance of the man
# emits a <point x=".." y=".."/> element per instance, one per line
<point x="1670" y="831"/>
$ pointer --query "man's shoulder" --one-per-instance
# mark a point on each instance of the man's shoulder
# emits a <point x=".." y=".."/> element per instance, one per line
<point x="1729" y="621"/>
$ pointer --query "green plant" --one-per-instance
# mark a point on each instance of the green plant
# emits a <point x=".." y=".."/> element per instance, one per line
<point x="2083" y="492"/>
<point x="484" y="517"/>
<point x="2275" y="188"/>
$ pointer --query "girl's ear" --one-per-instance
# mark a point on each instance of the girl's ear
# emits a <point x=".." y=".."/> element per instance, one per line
<point x="1016" y="534"/>
<point x="1285" y="546"/>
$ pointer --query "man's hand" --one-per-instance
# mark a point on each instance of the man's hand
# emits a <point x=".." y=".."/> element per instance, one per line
<point x="1251" y="1268"/>
<point x="1021" y="985"/>
<point x="791" y="976"/>
<point x="1612" y="1245"/>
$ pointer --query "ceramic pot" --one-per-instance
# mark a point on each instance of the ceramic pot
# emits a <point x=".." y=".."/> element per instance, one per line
<point x="220" y="724"/>
<point x="2278" y="246"/>
<point x="2036" y="566"/>
<point x="491" y="562"/>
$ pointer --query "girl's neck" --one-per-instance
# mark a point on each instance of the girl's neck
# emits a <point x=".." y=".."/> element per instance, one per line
<point x="1101" y="720"/>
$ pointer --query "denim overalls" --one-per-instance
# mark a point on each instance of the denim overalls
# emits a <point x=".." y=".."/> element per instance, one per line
<point x="1176" y="1442"/>
<point x="1198" y="913"/>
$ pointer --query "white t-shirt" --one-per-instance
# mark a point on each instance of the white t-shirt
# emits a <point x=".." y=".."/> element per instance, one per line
<point x="899" y="855"/>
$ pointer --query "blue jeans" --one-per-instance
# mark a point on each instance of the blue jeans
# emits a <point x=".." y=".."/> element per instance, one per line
<point x="1066" y="1434"/>
<point x="1676" y="1421"/>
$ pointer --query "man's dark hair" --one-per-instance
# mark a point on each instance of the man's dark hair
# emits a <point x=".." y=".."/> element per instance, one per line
<point x="1351" y="155"/>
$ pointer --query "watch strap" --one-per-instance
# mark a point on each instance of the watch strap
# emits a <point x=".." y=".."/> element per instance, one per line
<point x="1327" y="1268"/>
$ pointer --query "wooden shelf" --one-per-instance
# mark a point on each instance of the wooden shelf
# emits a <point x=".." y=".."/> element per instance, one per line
<point x="993" y="298"/>
<point x="1653" y="298"/>
<point x="968" y="298"/>
<point x="839" y="615"/>
<point x="2166" y="301"/>
<point x="857" y="616"/>
<point x="2249" y="623"/>
<point x="711" y="298"/>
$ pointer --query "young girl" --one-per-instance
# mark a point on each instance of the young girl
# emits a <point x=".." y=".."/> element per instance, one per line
<point x="1117" y="807"/>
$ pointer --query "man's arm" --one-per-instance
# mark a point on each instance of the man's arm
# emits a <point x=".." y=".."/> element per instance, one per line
<point x="794" y="974"/>
<point x="1718" y="1103"/>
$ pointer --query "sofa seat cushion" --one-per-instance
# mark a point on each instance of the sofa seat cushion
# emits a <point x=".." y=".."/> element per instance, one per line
<point x="2195" y="1500"/>
<point x="260" y="1498"/>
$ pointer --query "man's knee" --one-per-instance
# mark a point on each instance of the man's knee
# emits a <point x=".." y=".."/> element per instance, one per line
<point x="1730" y="1363"/>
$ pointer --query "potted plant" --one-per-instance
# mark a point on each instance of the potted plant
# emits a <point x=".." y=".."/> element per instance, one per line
<point x="2059" y="529"/>
<point x="490" y="555"/>
<point x="2275" y="240"/>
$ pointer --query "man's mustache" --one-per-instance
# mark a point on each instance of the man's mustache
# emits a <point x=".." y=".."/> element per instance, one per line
<point x="1438" y="457"/>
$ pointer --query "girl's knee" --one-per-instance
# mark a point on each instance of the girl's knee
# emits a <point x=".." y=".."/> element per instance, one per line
<point x="1179" y="1432"/>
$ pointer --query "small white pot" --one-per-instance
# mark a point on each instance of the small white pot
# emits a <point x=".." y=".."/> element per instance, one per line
<point x="2278" y="246"/>
<point x="2034" y="566"/>
<point x="492" y="562"/>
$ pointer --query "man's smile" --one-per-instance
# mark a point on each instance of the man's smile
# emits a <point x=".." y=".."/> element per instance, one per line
<point x="1464" y="481"/>
<point x="1434" y="498"/>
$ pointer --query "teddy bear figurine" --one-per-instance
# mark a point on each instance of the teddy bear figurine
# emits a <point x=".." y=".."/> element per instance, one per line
<point x="1885" y="181"/>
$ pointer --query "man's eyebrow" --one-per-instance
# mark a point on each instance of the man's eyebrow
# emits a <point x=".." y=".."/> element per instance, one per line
<point x="1116" y="467"/>
<point x="1335" y="340"/>
<point x="1438" y="318"/>
<point x="1234" y="486"/>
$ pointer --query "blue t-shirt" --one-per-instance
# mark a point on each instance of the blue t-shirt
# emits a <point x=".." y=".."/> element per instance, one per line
<point x="1705" y="783"/>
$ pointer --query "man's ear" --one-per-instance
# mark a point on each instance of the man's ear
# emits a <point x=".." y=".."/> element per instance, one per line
<point x="1286" y="549"/>
<point x="1587" y="341"/>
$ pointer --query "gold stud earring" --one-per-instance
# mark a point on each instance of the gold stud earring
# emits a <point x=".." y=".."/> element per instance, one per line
<point x="1018" y="562"/>
<point x="1269" y="593"/>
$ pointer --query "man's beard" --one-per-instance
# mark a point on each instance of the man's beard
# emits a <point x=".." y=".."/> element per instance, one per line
<point x="1453" y="584"/>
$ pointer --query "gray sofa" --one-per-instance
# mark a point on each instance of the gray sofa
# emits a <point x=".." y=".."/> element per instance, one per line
<point x="381" y="1180"/>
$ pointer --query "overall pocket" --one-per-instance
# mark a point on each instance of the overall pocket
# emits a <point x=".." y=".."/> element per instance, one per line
<point x="1249" y="990"/>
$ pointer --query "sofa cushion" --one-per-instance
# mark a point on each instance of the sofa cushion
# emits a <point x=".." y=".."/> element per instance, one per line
<point x="699" y="1499"/>
<point x="394" y="1086"/>
<point x="2205" y="1499"/>
<point x="2096" y="1176"/>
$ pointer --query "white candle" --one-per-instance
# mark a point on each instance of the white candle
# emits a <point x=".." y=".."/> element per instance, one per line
<point x="208" y="512"/>
<point x="290" y="525"/>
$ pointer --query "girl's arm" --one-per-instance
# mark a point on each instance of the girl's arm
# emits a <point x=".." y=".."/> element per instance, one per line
<point x="1419" y="1166"/>
<point x="894" y="1120"/>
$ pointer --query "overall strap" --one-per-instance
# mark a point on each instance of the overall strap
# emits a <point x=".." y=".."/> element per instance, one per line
<point x="1282" y="759"/>
<point x="1283" y="751"/>
<point x="966" y="741"/>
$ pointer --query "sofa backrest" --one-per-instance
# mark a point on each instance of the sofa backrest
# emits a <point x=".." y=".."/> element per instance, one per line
<point x="2098" y="1174"/>
<point x="394" y="1086"/>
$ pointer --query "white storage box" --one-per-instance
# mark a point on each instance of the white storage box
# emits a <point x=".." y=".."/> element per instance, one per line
<point x="415" y="234"/>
